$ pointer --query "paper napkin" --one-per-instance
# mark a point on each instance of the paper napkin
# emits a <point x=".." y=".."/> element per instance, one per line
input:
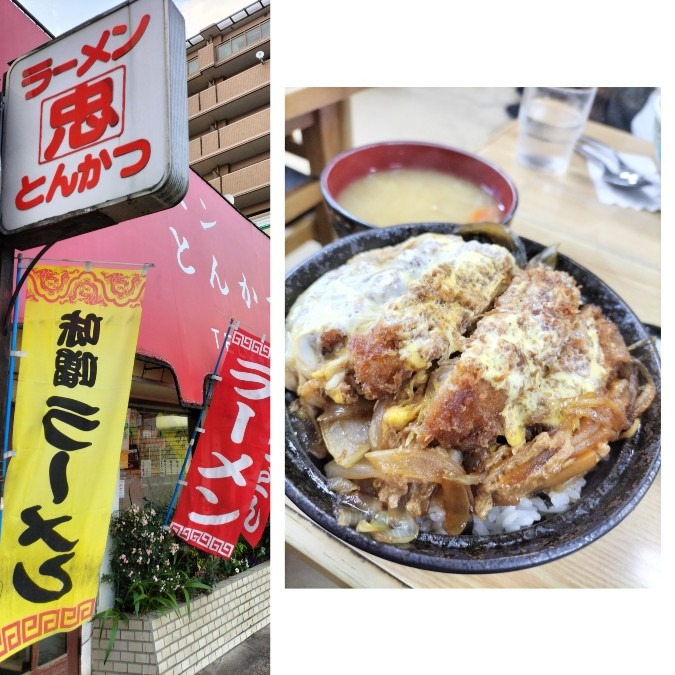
<point x="647" y="198"/>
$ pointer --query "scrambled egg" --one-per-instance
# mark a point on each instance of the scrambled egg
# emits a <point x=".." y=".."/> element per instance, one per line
<point x="425" y="291"/>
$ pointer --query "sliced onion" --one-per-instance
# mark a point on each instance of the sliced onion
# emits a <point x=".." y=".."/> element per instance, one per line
<point x="547" y="257"/>
<point x="578" y="465"/>
<point x="341" y="486"/>
<point x="348" y="517"/>
<point x="369" y="527"/>
<point x="401" y="527"/>
<point x="431" y="465"/>
<point x="335" y="411"/>
<point x="347" y="438"/>
<point x="648" y="391"/>
<point x="368" y="505"/>
<point x="632" y="430"/>
<point x="367" y="514"/>
<point x="376" y="431"/>
<point x="360" y="470"/>
<point x="457" y="506"/>
<point x="357" y="506"/>
<point x="601" y="409"/>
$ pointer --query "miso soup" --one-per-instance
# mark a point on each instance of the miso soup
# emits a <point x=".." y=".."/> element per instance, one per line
<point x="400" y="196"/>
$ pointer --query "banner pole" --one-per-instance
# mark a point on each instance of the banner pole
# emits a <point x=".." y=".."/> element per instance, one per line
<point x="202" y="415"/>
<point x="10" y="389"/>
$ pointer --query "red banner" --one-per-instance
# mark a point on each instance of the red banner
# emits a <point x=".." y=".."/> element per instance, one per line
<point x="259" y="509"/>
<point x="230" y="465"/>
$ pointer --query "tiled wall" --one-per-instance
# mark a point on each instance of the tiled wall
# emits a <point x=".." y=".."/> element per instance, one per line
<point x="152" y="645"/>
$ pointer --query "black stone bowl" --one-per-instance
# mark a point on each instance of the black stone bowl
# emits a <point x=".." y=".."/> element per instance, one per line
<point x="613" y="489"/>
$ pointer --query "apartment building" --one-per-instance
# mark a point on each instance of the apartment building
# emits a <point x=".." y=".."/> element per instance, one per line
<point x="228" y="66"/>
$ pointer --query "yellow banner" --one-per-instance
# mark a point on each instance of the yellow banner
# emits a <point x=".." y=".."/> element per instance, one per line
<point x="79" y="338"/>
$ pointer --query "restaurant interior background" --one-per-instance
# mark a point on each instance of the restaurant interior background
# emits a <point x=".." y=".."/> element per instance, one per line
<point x="463" y="117"/>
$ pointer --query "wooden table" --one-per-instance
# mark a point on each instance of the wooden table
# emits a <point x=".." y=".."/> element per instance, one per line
<point x="622" y="247"/>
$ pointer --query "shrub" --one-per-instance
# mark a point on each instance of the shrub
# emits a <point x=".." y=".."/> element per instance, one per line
<point x="152" y="570"/>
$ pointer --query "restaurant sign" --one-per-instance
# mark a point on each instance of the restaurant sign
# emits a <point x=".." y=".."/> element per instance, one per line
<point x="95" y="125"/>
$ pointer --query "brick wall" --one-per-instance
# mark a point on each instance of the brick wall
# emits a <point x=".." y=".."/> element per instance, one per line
<point x="168" y="644"/>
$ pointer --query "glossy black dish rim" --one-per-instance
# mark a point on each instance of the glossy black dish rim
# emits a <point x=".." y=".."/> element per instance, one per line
<point x="614" y="488"/>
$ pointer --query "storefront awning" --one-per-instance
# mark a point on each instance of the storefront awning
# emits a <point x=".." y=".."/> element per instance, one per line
<point x="210" y="265"/>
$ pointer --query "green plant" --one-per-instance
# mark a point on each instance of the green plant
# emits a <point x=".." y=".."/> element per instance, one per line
<point x="147" y="562"/>
<point x="147" y="595"/>
<point x="115" y="615"/>
<point x="152" y="570"/>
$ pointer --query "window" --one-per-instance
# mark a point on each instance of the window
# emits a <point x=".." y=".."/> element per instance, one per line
<point x="238" y="42"/>
<point x="253" y="35"/>
<point x="193" y="66"/>
<point x="223" y="50"/>
<point x="157" y="444"/>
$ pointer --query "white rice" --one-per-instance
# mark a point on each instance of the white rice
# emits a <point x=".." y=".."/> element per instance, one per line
<point x="501" y="519"/>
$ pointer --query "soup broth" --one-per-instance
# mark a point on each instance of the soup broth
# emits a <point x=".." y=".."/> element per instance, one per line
<point x="400" y="196"/>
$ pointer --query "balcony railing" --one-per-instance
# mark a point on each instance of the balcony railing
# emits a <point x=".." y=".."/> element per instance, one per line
<point x="230" y="90"/>
<point x="230" y="141"/>
<point x="249" y="178"/>
<point x="208" y="55"/>
<point x="248" y="186"/>
<point x="209" y="68"/>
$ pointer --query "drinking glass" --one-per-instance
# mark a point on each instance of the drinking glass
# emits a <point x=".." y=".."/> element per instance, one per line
<point x="551" y="120"/>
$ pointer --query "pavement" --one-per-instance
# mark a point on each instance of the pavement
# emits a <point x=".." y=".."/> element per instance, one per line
<point x="250" y="657"/>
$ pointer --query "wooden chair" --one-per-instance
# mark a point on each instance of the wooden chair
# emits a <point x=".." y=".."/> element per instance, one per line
<point x="317" y="129"/>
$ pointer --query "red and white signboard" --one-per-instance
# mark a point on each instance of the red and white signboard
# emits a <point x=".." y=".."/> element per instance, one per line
<point x="95" y="127"/>
<point x="227" y="490"/>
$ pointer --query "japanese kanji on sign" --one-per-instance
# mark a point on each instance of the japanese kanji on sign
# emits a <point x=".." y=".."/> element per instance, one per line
<point x="228" y="482"/>
<point x="87" y="142"/>
<point x="79" y="338"/>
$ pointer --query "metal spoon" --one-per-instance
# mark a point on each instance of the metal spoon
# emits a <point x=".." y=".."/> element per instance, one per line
<point x="618" y="175"/>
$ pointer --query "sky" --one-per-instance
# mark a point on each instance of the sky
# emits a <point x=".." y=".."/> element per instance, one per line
<point x="58" y="16"/>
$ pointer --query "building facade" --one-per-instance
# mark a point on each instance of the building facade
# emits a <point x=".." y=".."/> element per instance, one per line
<point x="228" y="66"/>
<point x="229" y="132"/>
